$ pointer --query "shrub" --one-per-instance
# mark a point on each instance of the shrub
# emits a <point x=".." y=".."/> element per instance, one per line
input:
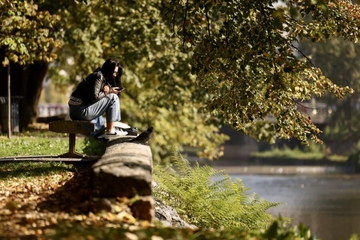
<point x="210" y="198"/>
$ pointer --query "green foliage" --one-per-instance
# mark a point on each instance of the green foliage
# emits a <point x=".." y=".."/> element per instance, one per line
<point x="339" y="61"/>
<point x="160" y="90"/>
<point x="93" y="147"/>
<point x="281" y="230"/>
<point x="190" y="66"/>
<point x="245" y="58"/>
<point x="27" y="32"/>
<point x="210" y="198"/>
<point x="278" y="230"/>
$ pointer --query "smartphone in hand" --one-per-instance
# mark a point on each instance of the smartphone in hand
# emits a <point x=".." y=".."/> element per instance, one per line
<point x="119" y="89"/>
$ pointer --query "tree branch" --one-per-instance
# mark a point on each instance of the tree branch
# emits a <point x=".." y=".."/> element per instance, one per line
<point x="184" y="23"/>
<point x="208" y="22"/>
<point x="302" y="54"/>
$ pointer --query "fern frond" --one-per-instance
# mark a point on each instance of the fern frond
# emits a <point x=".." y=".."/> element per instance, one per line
<point x="210" y="198"/>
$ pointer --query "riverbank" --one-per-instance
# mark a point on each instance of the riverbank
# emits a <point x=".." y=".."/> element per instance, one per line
<point x="256" y="165"/>
<point x="286" y="170"/>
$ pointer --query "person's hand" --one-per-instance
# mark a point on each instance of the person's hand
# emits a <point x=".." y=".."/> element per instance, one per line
<point x="116" y="90"/>
<point x="106" y="89"/>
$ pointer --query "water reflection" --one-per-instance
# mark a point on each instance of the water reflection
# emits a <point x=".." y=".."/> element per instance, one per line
<point x="328" y="204"/>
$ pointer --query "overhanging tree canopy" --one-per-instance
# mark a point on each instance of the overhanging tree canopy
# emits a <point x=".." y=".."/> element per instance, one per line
<point x="192" y="66"/>
<point x="244" y="54"/>
<point x="27" y="33"/>
<point x="339" y="60"/>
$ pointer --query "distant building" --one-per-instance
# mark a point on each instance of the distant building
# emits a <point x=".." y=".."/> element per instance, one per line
<point x="53" y="109"/>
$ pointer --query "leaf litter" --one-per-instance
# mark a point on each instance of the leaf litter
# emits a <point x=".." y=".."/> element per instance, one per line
<point x="40" y="205"/>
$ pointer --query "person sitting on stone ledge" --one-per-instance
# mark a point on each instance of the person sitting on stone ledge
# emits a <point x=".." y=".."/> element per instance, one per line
<point x="97" y="94"/>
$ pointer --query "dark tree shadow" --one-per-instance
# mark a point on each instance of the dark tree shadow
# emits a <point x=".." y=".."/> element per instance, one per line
<point x="74" y="195"/>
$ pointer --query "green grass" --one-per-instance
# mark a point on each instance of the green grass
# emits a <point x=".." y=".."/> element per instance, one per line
<point x="289" y="154"/>
<point x="313" y="152"/>
<point x="9" y="170"/>
<point x="42" y="144"/>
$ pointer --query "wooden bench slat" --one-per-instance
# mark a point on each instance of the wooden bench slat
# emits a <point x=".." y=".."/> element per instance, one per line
<point x="69" y="126"/>
<point x="72" y="128"/>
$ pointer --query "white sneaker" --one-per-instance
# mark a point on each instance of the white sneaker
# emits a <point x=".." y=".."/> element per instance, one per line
<point x="113" y="134"/>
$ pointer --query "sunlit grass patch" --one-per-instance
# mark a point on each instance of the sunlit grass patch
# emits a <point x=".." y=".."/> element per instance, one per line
<point x="53" y="146"/>
<point x="312" y="152"/>
<point x="289" y="154"/>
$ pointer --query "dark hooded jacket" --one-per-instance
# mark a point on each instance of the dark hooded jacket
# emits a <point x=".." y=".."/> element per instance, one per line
<point x="90" y="89"/>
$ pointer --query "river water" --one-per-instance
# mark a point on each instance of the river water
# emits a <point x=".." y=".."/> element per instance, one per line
<point x="329" y="204"/>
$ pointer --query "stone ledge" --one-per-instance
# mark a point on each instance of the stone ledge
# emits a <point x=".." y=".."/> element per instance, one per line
<point x="125" y="170"/>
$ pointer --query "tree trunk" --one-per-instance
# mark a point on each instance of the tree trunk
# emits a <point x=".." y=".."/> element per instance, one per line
<point x="36" y="75"/>
<point x="26" y="83"/>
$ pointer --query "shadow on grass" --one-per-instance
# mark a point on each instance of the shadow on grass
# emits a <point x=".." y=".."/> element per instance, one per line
<point x="31" y="169"/>
<point x="94" y="147"/>
<point x="73" y="196"/>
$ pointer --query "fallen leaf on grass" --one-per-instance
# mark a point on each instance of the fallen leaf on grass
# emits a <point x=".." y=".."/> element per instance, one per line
<point x="39" y="205"/>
